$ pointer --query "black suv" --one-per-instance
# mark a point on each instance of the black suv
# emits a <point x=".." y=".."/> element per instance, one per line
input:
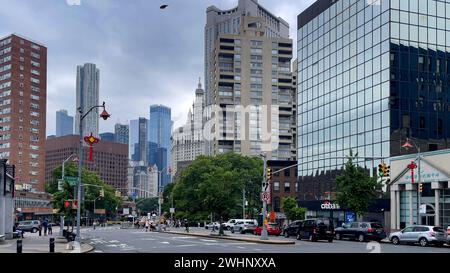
<point x="361" y="231"/>
<point x="292" y="228"/>
<point x="316" y="229"/>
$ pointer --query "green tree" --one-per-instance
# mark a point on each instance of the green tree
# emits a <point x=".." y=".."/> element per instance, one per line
<point x="214" y="185"/>
<point x="291" y="209"/>
<point x="356" y="189"/>
<point x="110" y="202"/>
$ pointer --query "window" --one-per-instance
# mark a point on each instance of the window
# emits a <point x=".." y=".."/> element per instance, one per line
<point x="34" y="114"/>
<point x="287" y="187"/>
<point x="287" y="172"/>
<point x="34" y="80"/>
<point x="35" y="72"/>
<point x="276" y="186"/>
<point x="34" y="97"/>
<point x="35" y="55"/>
<point x="36" y="64"/>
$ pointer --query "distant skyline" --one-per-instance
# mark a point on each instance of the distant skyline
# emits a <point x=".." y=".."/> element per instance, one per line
<point x="142" y="62"/>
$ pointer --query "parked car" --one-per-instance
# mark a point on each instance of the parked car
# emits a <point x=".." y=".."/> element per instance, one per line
<point x="292" y="228"/>
<point x="214" y="225"/>
<point x="272" y="229"/>
<point x="361" y="231"/>
<point x="316" y="229"/>
<point x="230" y="223"/>
<point x="244" y="226"/>
<point x="30" y="226"/>
<point x="424" y="235"/>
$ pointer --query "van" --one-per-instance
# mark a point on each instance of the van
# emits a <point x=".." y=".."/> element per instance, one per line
<point x="230" y="223"/>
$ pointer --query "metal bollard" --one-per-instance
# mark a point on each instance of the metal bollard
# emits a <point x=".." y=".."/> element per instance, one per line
<point x="52" y="245"/>
<point x="19" y="246"/>
<point x="40" y="232"/>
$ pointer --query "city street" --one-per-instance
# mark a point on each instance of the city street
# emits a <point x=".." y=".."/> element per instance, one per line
<point x="116" y="240"/>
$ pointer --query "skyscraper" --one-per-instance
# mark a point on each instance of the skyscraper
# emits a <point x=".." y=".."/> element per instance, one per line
<point x="133" y="138"/>
<point x="188" y="141"/>
<point x="160" y="131"/>
<point x="371" y="74"/>
<point x="64" y="123"/>
<point x="107" y="137"/>
<point x="121" y="132"/>
<point x="23" y="97"/>
<point x="251" y="75"/>
<point x="88" y="84"/>
<point x="229" y="22"/>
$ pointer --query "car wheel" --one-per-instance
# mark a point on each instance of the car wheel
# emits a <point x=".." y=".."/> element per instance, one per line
<point x="232" y="231"/>
<point x="338" y="236"/>
<point x="361" y="238"/>
<point x="286" y="235"/>
<point x="34" y="230"/>
<point x="299" y="237"/>
<point x="423" y="242"/>
<point x="241" y="231"/>
<point x="395" y="240"/>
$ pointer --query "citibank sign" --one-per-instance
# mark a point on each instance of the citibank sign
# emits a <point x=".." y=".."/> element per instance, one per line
<point x="327" y="205"/>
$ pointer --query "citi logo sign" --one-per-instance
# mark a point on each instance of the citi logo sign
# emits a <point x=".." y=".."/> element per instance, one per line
<point x="327" y="205"/>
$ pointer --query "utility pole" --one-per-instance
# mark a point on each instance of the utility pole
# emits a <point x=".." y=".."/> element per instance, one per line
<point x="243" y="203"/>
<point x="264" y="234"/>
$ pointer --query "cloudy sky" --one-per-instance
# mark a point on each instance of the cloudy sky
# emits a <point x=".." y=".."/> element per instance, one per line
<point x="145" y="55"/>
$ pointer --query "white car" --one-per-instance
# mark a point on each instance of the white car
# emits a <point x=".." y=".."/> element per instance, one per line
<point x="230" y="224"/>
<point x="244" y="226"/>
<point x="214" y="225"/>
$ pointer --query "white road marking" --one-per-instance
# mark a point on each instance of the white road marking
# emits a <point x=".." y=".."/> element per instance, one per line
<point x="241" y="247"/>
<point x="98" y="251"/>
<point x="185" y="245"/>
<point x="148" y="239"/>
<point x="182" y="237"/>
<point x="114" y="241"/>
<point x="167" y="243"/>
<point x="112" y="245"/>
<point x="206" y="240"/>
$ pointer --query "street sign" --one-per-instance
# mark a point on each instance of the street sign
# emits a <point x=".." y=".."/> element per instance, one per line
<point x="126" y="211"/>
<point x="60" y="184"/>
<point x="423" y="209"/>
<point x="71" y="180"/>
<point x="265" y="197"/>
<point x="100" y="211"/>
<point x="172" y="210"/>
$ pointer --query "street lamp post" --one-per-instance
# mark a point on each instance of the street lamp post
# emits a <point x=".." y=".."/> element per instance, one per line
<point x="159" y="197"/>
<point x="264" y="234"/>
<point x="408" y="145"/>
<point x="105" y="116"/>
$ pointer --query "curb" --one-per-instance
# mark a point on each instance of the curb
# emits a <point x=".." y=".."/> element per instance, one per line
<point x="234" y="238"/>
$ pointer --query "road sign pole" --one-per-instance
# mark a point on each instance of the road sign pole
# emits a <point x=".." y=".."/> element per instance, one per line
<point x="264" y="235"/>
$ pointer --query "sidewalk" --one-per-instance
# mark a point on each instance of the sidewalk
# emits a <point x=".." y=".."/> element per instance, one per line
<point x="33" y="243"/>
<point x="255" y="239"/>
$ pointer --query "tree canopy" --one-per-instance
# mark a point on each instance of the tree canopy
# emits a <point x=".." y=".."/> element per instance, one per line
<point x="214" y="185"/>
<point x="110" y="202"/>
<point x="291" y="209"/>
<point x="356" y="189"/>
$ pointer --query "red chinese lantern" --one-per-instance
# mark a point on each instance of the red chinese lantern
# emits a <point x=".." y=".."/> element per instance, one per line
<point x="91" y="140"/>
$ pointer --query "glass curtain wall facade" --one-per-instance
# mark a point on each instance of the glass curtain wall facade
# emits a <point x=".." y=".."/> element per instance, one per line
<point x="343" y="91"/>
<point x="371" y="74"/>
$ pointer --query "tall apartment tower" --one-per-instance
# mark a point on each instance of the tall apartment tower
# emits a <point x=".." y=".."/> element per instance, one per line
<point x="88" y="84"/>
<point x="121" y="132"/>
<point x="229" y="21"/>
<point x="252" y="76"/>
<point x="23" y="97"/>
<point x="142" y="145"/>
<point x="64" y="124"/>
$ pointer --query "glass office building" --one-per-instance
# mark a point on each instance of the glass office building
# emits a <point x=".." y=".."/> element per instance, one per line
<point x="371" y="74"/>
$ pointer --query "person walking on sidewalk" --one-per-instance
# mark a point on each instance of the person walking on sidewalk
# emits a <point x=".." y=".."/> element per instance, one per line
<point x="186" y="223"/>
<point x="50" y="231"/>
<point x="45" y="226"/>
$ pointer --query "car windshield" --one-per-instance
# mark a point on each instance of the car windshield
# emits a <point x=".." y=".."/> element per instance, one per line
<point x="438" y="229"/>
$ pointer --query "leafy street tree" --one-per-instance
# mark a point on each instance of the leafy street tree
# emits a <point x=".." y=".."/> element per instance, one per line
<point x="214" y="185"/>
<point x="291" y="209"/>
<point x="110" y="202"/>
<point x="356" y="189"/>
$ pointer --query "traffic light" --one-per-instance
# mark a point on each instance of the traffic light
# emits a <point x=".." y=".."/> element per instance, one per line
<point x="269" y="174"/>
<point x="380" y="170"/>
<point x="420" y="187"/>
<point x="66" y="204"/>
<point x="387" y="170"/>
<point x="102" y="193"/>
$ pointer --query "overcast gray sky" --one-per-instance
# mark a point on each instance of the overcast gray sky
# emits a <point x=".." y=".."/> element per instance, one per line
<point x="146" y="56"/>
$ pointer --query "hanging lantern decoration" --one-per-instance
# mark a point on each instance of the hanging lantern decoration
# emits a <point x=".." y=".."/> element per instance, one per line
<point x="91" y="140"/>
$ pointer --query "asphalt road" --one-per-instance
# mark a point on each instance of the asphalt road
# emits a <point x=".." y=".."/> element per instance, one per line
<point x="115" y="240"/>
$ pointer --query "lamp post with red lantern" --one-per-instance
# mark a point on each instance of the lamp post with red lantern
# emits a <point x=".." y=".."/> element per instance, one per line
<point x="104" y="115"/>
<point x="408" y="145"/>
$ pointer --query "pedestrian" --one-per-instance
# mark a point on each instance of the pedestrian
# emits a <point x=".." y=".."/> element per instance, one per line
<point x="198" y="224"/>
<point x="186" y="223"/>
<point x="45" y="225"/>
<point x="50" y="231"/>
<point x="146" y="225"/>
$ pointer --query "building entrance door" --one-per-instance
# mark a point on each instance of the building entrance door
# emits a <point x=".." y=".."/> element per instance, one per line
<point x="428" y="217"/>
